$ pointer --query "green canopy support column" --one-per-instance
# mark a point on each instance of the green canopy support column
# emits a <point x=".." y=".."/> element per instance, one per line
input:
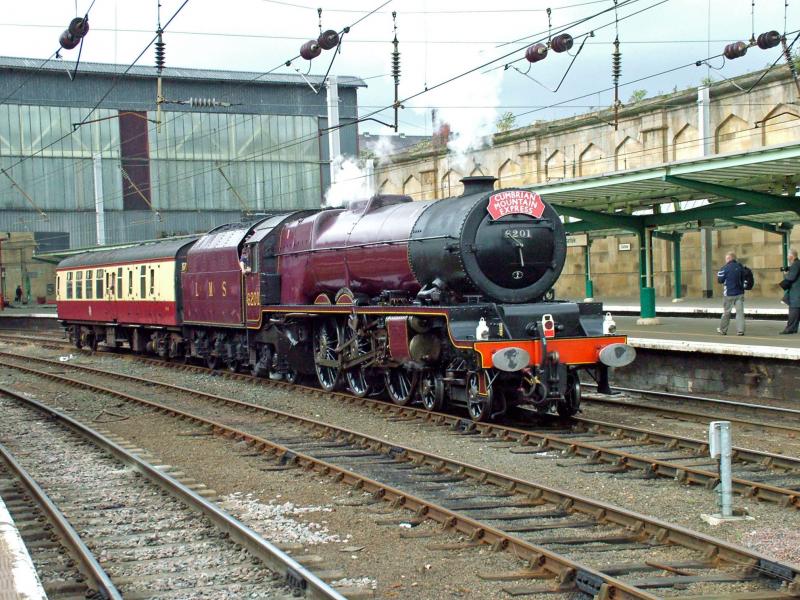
<point x="675" y="238"/>
<point x="588" y="271"/>
<point x="647" y="294"/>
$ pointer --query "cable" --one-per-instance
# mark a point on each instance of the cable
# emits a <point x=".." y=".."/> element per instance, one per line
<point x="241" y="85"/>
<point x="113" y="85"/>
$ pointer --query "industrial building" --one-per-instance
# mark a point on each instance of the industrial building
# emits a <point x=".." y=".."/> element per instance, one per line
<point x="222" y="146"/>
<point x="228" y="143"/>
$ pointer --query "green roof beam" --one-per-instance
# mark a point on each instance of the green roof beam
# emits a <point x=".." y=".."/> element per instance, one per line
<point x="599" y="220"/>
<point x="780" y="228"/>
<point x="763" y="200"/>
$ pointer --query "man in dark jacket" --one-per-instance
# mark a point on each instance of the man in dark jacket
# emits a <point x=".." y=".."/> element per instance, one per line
<point x="731" y="277"/>
<point x="792" y="286"/>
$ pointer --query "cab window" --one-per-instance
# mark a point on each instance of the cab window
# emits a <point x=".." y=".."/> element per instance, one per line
<point x="89" y="282"/>
<point x="98" y="288"/>
<point x="79" y="285"/>
<point x="69" y="285"/>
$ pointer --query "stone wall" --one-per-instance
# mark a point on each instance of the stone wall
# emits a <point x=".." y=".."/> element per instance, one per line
<point x="737" y="377"/>
<point x="651" y="132"/>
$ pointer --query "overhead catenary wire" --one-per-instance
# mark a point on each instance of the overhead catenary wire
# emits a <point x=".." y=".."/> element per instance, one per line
<point x="105" y="95"/>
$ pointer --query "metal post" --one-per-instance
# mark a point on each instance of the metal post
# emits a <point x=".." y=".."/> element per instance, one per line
<point x="588" y="263"/>
<point x="2" y="276"/>
<point x="707" y="271"/>
<point x="99" y="203"/>
<point x="334" y="144"/>
<point x="719" y="443"/>
<point x="676" y="264"/>
<point x="647" y="295"/>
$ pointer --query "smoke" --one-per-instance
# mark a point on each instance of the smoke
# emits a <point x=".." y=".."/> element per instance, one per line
<point x="470" y="107"/>
<point x="383" y="149"/>
<point x="352" y="180"/>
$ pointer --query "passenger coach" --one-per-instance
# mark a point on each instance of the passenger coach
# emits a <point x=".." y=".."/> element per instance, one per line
<point x="115" y="296"/>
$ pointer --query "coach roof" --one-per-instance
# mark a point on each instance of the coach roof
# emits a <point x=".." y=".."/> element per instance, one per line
<point x="140" y="252"/>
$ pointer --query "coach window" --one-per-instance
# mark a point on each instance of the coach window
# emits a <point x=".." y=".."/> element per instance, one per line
<point x="69" y="285"/>
<point x="89" y="281"/>
<point x="58" y="287"/>
<point x="79" y="285"/>
<point x="130" y="283"/>
<point x="119" y="282"/>
<point x="142" y="281"/>
<point x="152" y="281"/>
<point x="98" y="288"/>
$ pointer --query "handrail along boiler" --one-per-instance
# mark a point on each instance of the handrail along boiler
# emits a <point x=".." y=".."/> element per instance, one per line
<point x="436" y="301"/>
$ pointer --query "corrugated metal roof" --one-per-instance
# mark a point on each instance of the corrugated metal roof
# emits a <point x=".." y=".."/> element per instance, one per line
<point x="165" y="249"/>
<point x="13" y="62"/>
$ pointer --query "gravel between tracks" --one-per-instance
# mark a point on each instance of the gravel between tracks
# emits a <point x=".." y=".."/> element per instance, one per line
<point x="659" y="497"/>
<point x="372" y="555"/>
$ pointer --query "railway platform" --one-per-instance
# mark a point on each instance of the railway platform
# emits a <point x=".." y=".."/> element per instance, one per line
<point x="18" y="577"/>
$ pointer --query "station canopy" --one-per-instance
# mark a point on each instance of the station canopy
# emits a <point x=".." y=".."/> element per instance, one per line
<point x="756" y="188"/>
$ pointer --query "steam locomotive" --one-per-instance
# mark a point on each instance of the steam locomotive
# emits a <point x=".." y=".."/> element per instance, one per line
<point x="438" y="302"/>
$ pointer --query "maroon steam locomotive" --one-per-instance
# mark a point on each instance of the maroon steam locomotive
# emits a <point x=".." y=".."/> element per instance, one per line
<point x="438" y="301"/>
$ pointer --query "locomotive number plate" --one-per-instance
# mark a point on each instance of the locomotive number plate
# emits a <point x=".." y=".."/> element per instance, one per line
<point x="518" y="233"/>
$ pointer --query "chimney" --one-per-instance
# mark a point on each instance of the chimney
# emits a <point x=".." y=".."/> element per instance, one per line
<point x="478" y="184"/>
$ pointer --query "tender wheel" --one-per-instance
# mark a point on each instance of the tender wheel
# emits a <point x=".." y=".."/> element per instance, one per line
<point x="233" y="366"/>
<point x="572" y="399"/>
<point x="478" y="406"/>
<point x="292" y="376"/>
<point x="400" y="385"/>
<point x="326" y="359"/>
<point x="213" y="361"/>
<point x="431" y="390"/>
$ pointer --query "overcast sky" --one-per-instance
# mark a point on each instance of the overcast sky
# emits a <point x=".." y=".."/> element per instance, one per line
<point x="438" y="39"/>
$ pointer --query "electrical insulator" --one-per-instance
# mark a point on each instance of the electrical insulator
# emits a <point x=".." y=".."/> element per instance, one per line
<point x="328" y="39"/>
<point x="74" y="33"/>
<point x="160" y="54"/>
<point x="310" y="50"/>
<point x="536" y="53"/>
<point x="396" y="62"/>
<point x="735" y="50"/>
<point x="561" y="43"/>
<point x="616" y="63"/>
<point x="78" y="27"/>
<point x="769" y="39"/>
<point x="206" y="102"/>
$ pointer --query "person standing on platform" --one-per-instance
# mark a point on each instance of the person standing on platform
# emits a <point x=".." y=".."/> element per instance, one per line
<point x="731" y="276"/>
<point x="791" y="283"/>
<point x="18" y="294"/>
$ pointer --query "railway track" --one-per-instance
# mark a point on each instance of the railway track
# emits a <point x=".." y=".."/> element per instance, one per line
<point x="563" y="539"/>
<point x="772" y="418"/>
<point x="607" y="447"/>
<point x="153" y="535"/>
